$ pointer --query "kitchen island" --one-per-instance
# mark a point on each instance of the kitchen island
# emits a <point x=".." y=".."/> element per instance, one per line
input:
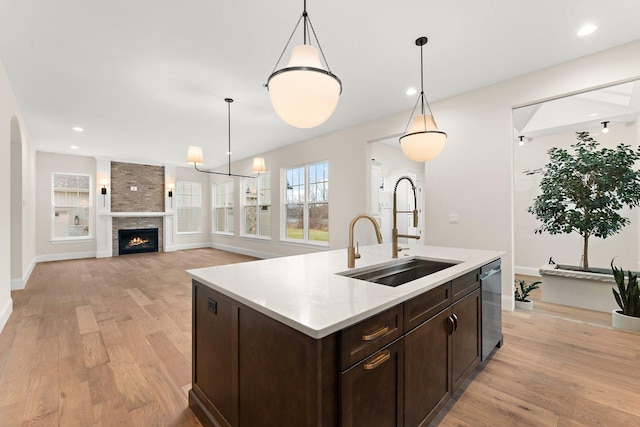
<point x="291" y="341"/>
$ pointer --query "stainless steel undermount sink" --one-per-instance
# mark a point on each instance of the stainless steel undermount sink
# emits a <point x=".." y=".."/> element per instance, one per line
<point x="400" y="272"/>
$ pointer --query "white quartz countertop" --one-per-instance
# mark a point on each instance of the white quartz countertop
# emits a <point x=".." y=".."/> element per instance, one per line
<point x="305" y="293"/>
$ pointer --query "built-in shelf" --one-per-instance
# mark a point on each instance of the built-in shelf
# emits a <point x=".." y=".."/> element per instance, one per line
<point x="135" y="214"/>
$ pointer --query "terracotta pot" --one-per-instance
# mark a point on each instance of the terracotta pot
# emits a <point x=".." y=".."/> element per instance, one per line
<point x="525" y="305"/>
<point x="620" y="321"/>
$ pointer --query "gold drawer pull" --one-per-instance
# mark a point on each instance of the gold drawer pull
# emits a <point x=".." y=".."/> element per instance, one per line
<point x="377" y="361"/>
<point x="376" y="334"/>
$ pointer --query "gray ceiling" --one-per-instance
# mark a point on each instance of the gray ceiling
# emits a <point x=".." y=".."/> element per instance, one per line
<point x="147" y="78"/>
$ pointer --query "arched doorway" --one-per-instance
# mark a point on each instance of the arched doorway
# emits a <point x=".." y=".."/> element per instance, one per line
<point x="16" y="202"/>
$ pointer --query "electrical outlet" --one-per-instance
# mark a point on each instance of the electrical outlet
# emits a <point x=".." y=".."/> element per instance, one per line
<point x="212" y="306"/>
<point x="453" y="218"/>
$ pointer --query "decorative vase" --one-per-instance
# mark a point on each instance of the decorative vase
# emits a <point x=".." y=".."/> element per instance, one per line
<point x="621" y="321"/>
<point x="525" y="305"/>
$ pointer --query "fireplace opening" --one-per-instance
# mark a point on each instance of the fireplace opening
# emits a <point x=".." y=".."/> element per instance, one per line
<point x="138" y="240"/>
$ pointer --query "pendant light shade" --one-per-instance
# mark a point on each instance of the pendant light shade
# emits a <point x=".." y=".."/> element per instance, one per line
<point x="194" y="154"/>
<point x="423" y="140"/>
<point x="304" y="94"/>
<point x="258" y="165"/>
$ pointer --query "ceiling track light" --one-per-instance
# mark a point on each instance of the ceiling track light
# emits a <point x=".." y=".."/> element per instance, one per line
<point x="605" y="129"/>
<point x="422" y="141"/>
<point x="303" y="93"/>
<point x="194" y="154"/>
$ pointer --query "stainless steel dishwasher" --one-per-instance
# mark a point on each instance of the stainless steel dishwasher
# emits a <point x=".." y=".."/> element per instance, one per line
<point x="491" y="282"/>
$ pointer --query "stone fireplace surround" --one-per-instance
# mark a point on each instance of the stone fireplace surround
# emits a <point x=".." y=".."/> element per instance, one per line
<point x="136" y="198"/>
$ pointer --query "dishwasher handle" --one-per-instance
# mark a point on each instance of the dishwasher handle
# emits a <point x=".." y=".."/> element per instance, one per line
<point x="495" y="268"/>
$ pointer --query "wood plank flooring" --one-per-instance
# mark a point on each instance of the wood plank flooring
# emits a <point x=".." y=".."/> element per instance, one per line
<point x="108" y="342"/>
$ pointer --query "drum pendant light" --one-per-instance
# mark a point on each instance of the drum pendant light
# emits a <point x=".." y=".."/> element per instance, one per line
<point x="303" y="93"/>
<point x="422" y="141"/>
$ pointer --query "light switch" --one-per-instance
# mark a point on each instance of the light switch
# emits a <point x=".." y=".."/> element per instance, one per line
<point x="453" y="218"/>
<point x="134" y="188"/>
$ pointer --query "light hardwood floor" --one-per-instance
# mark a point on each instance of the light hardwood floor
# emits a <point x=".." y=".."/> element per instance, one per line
<point x="108" y="342"/>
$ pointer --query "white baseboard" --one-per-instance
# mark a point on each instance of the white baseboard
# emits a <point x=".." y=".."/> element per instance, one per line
<point x="243" y="251"/>
<point x="5" y="312"/>
<point x="527" y="271"/>
<point x="104" y="254"/>
<point x="185" y="246"/>
<point x="170" y="248"/>
<point x="65" y="257"/>
<point x="20" y="283"/>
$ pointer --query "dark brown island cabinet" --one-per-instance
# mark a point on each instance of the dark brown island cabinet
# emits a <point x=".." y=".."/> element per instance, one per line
<point x="396" y="368"/>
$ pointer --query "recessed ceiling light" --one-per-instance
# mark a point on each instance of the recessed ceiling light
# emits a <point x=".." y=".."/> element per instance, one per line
<point x="586" y="29"/>
<point x="593" y="114"/>
<point x="74" y="147"/>
<point x="411" y="91"/>
<point x="78" y="129"/>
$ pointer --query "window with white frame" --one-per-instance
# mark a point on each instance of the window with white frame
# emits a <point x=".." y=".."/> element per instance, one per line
<point x="223" y="207"/>
<point x="188" y="205"/>
<point x="307" y="203"/>
<point x="71" y="206"/>
<point x="257" y="205"/>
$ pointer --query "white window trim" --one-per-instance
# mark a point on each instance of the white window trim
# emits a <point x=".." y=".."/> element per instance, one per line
<point x="91" y="215"/>
<point x="187" y="233"/>
<point x="243" y="219"/>
<point x="214" y="218"/>
<point x="283" y="209"/>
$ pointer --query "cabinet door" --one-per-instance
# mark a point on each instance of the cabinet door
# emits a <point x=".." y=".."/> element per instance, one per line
<point x="427" y="361"/>
<point x="215" y="365"/>
<point x="465" y="340"/>
<point x="372" y="391"/>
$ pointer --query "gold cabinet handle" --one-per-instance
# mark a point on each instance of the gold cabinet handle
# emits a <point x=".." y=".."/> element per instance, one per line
<point x="375" y="334"/>
<point x="377" y="361"/>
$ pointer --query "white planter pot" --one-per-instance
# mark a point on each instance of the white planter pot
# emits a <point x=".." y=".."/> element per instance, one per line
<point x="525" y="305"/>
<point x="620" y="321"/>
<point x="578" y="288"/>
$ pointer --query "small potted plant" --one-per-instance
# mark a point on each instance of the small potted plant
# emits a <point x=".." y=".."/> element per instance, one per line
<point x="628" y="298"/>
<point x="521" y="292"/>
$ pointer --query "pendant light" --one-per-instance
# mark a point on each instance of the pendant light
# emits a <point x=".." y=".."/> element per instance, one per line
<point x="303" y="93"/>
<point x="194" y="154"/>
<point x="422" y="141"/>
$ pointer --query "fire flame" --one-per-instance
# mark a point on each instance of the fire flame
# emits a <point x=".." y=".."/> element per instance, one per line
<point x="136" y="241"/>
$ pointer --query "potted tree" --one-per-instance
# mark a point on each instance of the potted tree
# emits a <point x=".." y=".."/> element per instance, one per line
<point x="628" y="298"/>
<point x="521" y="293"/>
<point x="583" y="192"/>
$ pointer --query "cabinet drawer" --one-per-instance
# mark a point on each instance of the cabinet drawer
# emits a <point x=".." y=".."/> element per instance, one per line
<point x="363" y="338"/>
<point x="423" y="307"/>
<point x="466" y="284"/>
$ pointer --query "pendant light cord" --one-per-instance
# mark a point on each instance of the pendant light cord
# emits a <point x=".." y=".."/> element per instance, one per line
<point x="307" y="21"/>
<point x="422" y="98"/>
<point x="229" y="101"/>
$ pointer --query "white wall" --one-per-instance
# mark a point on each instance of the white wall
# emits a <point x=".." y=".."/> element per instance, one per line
<point x="46" y="165"/>
<point x="9" y="111"/>
<point x="533" y="250"/>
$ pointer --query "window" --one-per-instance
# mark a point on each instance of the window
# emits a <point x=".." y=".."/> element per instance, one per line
<point x="223" y="207"/>
<point x="188" y="203"/>
<point x="307" y="203"/>
<point x="71" y="196"/>
<point x="257" y="205"/>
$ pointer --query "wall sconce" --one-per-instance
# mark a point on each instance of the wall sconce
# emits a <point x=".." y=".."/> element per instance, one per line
<point x="103" y="181"/>
<point x="605" y="129"/>
<point x="171" y="194"/>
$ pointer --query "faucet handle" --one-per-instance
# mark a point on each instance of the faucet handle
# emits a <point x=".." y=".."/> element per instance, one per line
<point x="357" y="254"/>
